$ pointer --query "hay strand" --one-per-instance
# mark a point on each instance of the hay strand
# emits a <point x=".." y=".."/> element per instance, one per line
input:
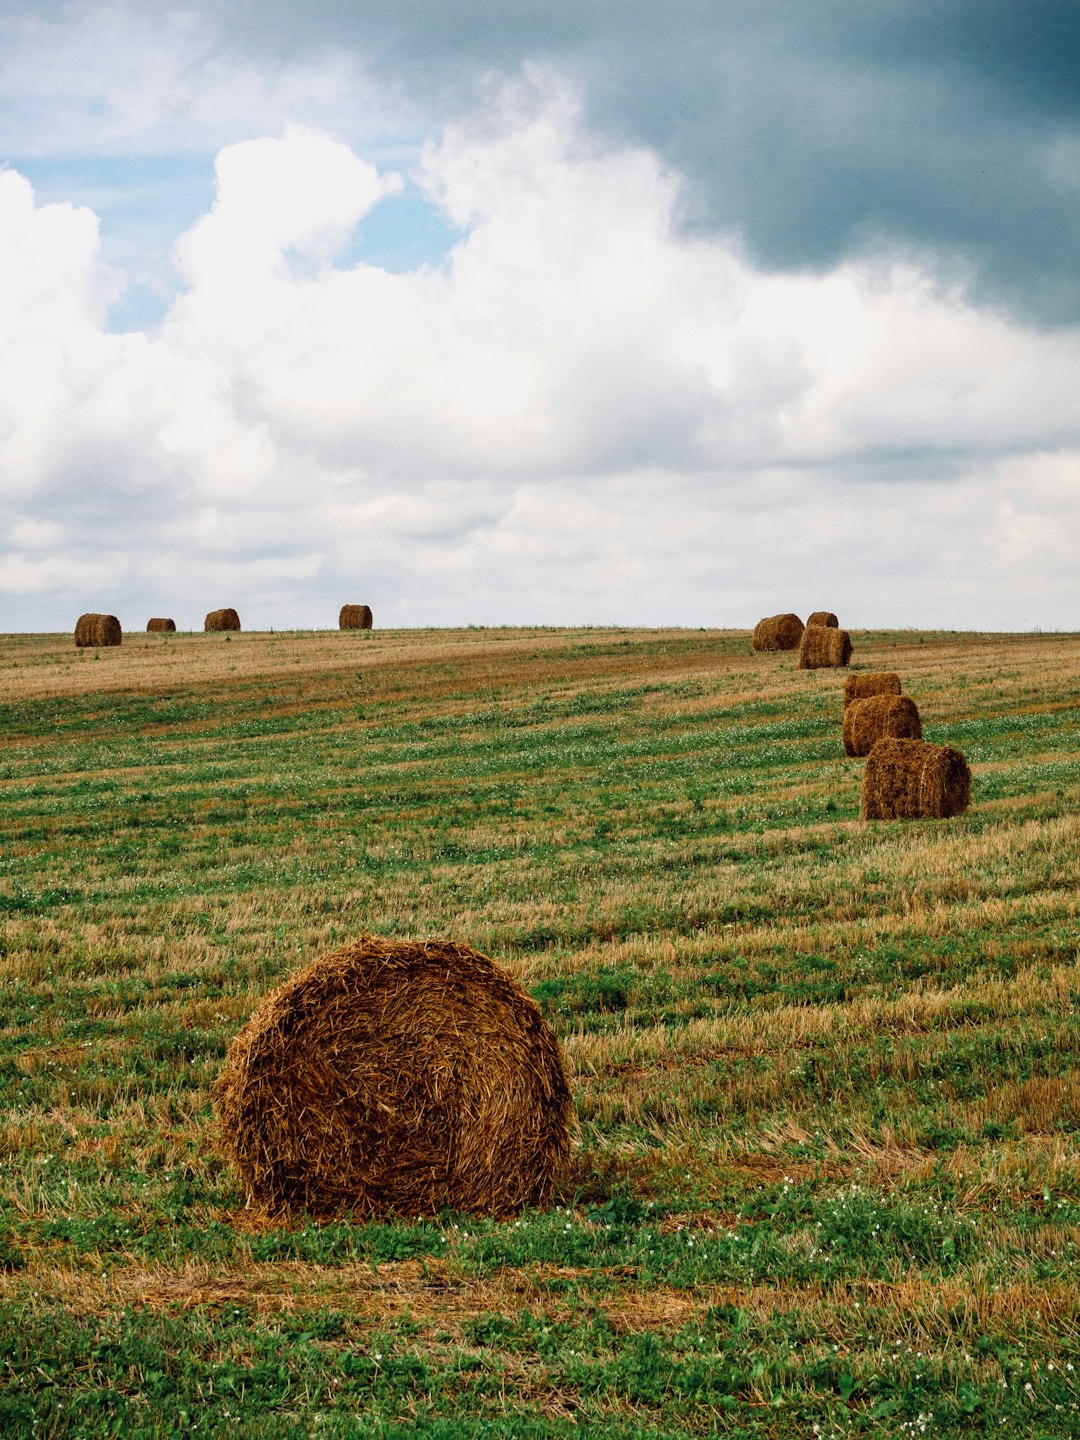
<point x="161" y="626"/>
<point x="879" y="682"/>
<point x="823" y="648"/>
<point x="396" y="1078"/>
<point x="823" y="617"/>
<point x="777" y="632"/>
<point x="222" y="620"/>
<point x="355" y="617"/>
<point x="97" y="630"/>
<point x="877" y="717"/>
<point x="912" y="779"/>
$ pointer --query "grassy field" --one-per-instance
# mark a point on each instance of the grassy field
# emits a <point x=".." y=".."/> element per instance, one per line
<point x="827" y="1174"/>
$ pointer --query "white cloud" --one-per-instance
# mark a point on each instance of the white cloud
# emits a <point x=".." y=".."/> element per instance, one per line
<point x="580" y="408"/>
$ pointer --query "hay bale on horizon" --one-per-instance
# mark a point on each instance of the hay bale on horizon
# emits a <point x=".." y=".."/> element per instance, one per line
<point x="823" y="617"/>
<point x="96" y="630"/>
<point x="222" y="620"/>
<point x="823" y="648"/>
<point x="912" y="779"/>
<point x="878" y="717"/>
<point x="875" y="682"/>
<point x="355" y="617"/>
<point x="777" y="632"/>
<point x="393" y="1077"/>
<point x="160" y="626"/>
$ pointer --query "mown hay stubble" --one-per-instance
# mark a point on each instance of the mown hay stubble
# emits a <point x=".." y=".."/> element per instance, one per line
<point x="355" y="617"/>
<point x="823" y="648"/>
<point x="873" y="682"/>
<point x="396" y="1078"/>
<point x="879" y="716"/>
<point x="777" y="632"/>
<point x="226" y="619"/>
<point x="912" y="779"/>
<point x="96" y="630"/>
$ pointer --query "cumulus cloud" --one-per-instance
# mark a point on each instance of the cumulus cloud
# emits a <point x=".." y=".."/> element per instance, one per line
<point x="582" y="405"/>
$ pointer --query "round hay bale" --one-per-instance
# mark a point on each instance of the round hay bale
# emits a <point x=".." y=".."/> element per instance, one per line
<point x="823" y="617"/>
<point x="355" y="617"/>
<point x="912" y="779"/>
<point x="97" y="630"/>
<point x="777" y="632"/>
<point x="860" y="687"/>
<point x="823" y="648"/>
<point x="161" y="626"/>
<point x="222" y="620"/>
<point x="877" y="717"/>
<point x="396" y="1078"/>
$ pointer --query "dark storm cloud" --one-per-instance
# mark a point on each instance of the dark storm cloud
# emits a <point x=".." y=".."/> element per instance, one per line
<point x="814" y="130"/>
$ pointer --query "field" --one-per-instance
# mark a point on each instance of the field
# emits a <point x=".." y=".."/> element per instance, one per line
<point x="826" y="1176"/>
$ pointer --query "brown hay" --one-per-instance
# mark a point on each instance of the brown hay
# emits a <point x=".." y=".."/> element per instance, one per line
<point x="355" y="617"/>
<point x="396" y="1078"/>
<point x="222" y="620"/>
<point x="778" y="632"/>
<point x="823" y="617"/>
<point x="877" y="717"/>
<point x="96" y="630"/>
<point x="823" y="648"/>
<point x="912" y="779"/>
<point x="880" y="682"/>
<point x="162" y="626"/>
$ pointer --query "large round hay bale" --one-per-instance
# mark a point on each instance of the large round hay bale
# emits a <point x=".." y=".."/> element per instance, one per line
<point x="877" y="717"/>
<point x="777" y="632"/>
<point x="396" y="1078"/>
<point x="159" y="625"/>
<point x="823" y="648"/>
<point x="355" y="617"/>
<point x="222" y="620"/>
<point x="823" y="617"/>
<point x="879" y="682"/>
<point x="912" y="779"/>
<point x="96" y="630"/>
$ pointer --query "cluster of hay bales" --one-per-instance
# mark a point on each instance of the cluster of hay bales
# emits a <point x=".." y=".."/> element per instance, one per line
<point x="96" y="630"/>
<point x="396" y="1078"/>
<point x="226" y="619"/>
<point x="354" y="617"/>
<point x="160" y="626"/>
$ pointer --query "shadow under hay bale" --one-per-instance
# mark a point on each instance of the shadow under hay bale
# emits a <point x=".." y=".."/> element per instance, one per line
<point x="222" y="620"/>
<point x="912" y="779"/>
<point x="861" y="687"/>
<point x="879" y="717"/>
<point x="96" y="630"/>
<point x="355" y="617"/>
<point x="396" y="1078"/>
<point x="777" y="632"/>
<point x="161" y="626"/>
<point x="823" y="648"/>
<point x="823" y="617"/>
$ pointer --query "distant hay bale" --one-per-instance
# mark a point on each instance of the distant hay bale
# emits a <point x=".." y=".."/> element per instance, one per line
<point x="912" y="779"/>
<point x="822" y="648"/>
<point x="396" y="1078"/>
<point x="97" y="630"/>
<point x="160" y="625"/>
<point x="861" y="687"/>
<point x="823" y="617"/>
<point x="355" y="617"/>
<point x="878" y="717"/>
<point x="222" y="620"/>
<point x="777" y="632"/>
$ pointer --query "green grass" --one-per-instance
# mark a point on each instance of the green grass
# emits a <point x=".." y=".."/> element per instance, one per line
<point x="825" y="1073"/>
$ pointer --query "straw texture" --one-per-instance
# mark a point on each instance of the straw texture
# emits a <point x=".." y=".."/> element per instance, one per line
<point x="823" y="648"/>
<point x="97" y="630"/>
<point x="874" y="682"/>
<point x="879" y="717"/>
<point x="396" y="1078"/>
<point x="777" y="632"/>
<point x="912" y="779"/>
<point x="823" y="617"/>
<point x="355" y="617"/>
<point x="160" y="625"/>
<point x="222" y="620"/>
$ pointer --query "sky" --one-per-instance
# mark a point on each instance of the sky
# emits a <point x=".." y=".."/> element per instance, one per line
<point x="589" y="312"/>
